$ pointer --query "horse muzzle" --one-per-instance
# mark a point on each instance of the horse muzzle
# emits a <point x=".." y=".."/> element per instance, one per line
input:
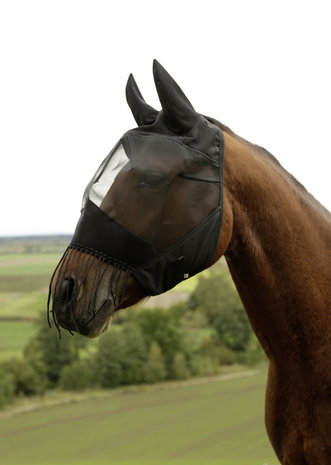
<point x="86" y="291"/>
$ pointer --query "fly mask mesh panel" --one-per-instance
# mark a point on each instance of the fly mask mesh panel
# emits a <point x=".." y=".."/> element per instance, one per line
<point x="153" y="210"/>
<point x="154" y="207"/>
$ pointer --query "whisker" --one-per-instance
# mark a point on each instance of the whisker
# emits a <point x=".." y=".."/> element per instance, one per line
<point x="75" y="291"/>
<point x="99" y="280"/>
<point x="112" y="283"/>
<point x="60" y="275"/>
<point x="77" y="261"/>
<point x="95" y="280"/>
<point x="88" y="268"/>
<point x="50" y="307"/>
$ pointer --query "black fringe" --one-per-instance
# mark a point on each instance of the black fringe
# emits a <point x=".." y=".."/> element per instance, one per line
<point x="69" y="270"/>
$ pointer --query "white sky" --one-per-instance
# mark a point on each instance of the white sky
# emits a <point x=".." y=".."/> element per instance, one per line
<point x="261" y="67"/>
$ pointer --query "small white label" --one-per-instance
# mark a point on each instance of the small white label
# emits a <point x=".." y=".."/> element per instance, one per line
<point x="186" y="275"/>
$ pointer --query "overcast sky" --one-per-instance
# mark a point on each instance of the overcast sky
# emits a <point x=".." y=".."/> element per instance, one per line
<point x="260" y="67"/>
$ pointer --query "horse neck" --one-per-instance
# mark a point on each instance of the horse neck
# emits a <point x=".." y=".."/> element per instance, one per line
<point x="279" y="253"/>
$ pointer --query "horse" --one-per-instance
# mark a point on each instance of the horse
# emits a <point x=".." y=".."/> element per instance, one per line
<point x="274" y="235"/>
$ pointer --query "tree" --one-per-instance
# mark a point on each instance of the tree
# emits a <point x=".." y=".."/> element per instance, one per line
<point x="33" y="356"/>
<point x="217" y="298"/>
<point x="108" y="360"/>
<point x="179" y="368"/>
<point x="121" y="357"/>
<point x="55" y="352"/>
<point x="77" y="376"/>
<point x="25" y="379"/>
<point x="154" y="369"/>
<point x="7" y="388"/>
<point x="160" y="326"/>
<point x="135" y="354"/>
<point x="233" y="328"/>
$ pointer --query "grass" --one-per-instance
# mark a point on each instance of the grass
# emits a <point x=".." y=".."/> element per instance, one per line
<point x="24" y="280"/>
<point x="22" y="305"/>
<point x="24" y="283"/>
<point x="167" y="462"/>
<point x="26" y="264"/>
<point x="15" y="335"/>
<point x="212" y="424"/>
<point x="161" y="462"/>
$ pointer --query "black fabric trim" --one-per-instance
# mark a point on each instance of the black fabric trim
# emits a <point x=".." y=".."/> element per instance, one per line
<point x="221" y="150"/>
<point x="101" y="233"/>
<point x="97" y="254"/>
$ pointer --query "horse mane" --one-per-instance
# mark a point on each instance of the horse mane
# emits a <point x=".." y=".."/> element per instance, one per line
<point x="271" y="159"/>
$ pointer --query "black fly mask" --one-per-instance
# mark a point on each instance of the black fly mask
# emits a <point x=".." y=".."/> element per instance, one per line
<point x="153" y="209"/>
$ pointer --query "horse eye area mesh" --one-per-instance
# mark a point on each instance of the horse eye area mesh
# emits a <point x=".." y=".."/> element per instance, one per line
<point x="152" y="210"/>
<point x="147" y="185"/>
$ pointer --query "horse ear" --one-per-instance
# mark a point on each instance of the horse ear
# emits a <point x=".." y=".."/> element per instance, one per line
<point x="178" y="110"/>
<point x="142" y="112"/>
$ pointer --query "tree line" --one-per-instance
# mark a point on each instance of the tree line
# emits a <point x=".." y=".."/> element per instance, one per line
<point x="194" y="338"/>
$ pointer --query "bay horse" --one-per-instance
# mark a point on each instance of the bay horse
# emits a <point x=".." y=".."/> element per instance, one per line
<point x="276" y="239"/>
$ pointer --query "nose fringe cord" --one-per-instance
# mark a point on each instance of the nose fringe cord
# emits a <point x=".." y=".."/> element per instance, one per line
<point x="69" y="268"/>
<point x="51" y="298"/>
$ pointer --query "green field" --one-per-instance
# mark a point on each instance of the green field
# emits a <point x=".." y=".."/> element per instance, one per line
<point x="28" y="264"/>
<point x="24" y="280"/>
<point x="177" y="423"/>
<point x="13" y="334"/>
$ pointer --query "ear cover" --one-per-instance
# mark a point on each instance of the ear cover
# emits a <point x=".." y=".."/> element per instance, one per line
<point x="178" y="110"/>
<point x="143" y="113"/>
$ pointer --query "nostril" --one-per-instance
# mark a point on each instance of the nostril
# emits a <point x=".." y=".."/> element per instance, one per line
<point x="68" y="287"/>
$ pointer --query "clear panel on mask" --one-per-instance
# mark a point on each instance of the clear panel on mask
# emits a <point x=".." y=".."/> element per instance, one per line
<point x="105" y="176"/>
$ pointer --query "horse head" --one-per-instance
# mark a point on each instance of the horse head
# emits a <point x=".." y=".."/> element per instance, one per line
<point x="151" y="215"/>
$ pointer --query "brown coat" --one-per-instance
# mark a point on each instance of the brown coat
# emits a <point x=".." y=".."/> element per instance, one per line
<point x="277" y="242"/>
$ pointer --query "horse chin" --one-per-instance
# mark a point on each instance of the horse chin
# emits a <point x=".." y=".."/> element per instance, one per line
<point x="99" y="322"/>
<point x="90" y="324"/>
<point x="103" y="316"/>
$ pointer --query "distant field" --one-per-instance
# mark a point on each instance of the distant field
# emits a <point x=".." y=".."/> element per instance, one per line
<point x="22" y="304"/>
<point x="15" y="335"/>
<point x="32" y="264"/>
<point x="219" y="423"/>
<point x="24" y="279"/>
